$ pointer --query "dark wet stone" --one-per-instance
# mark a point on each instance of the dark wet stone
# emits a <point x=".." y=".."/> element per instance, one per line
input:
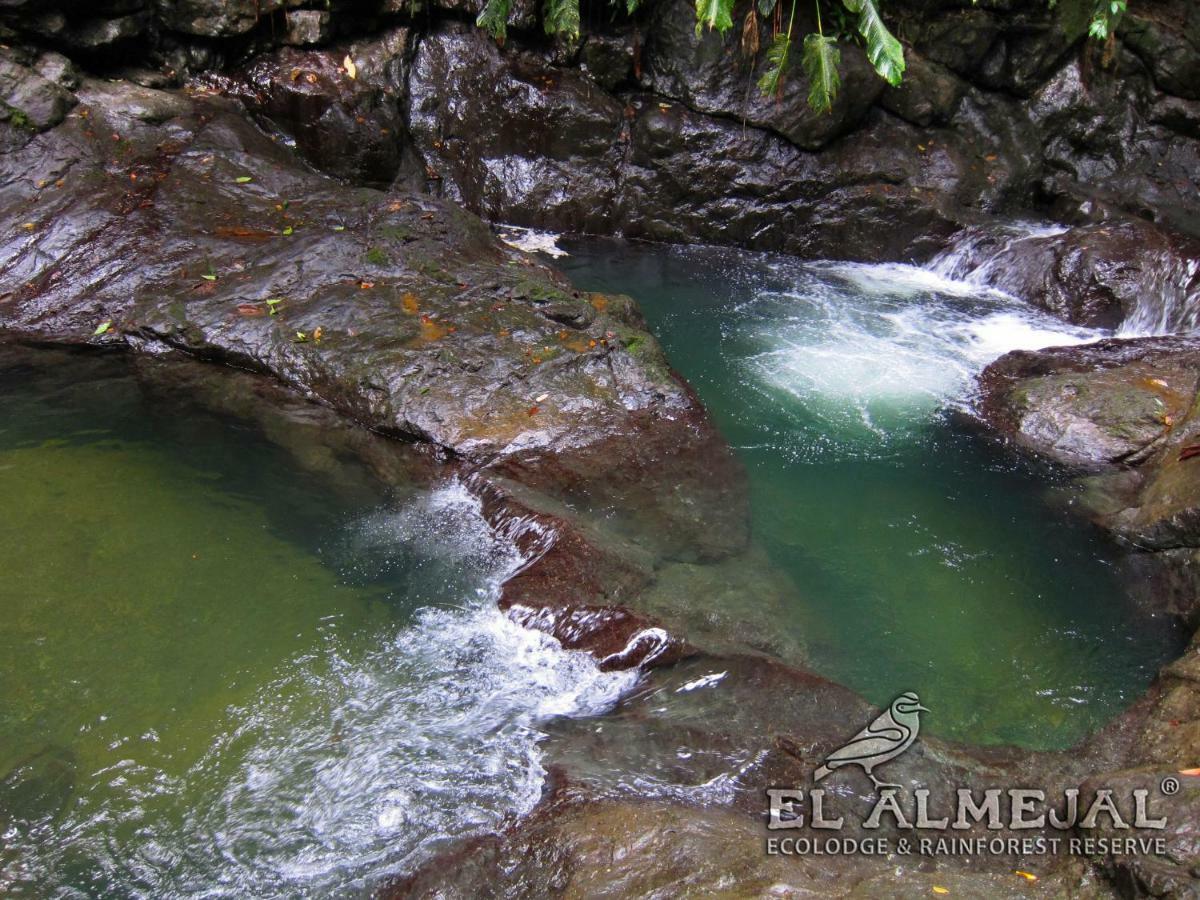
<point x="512" y="137"/>
<point x="928" y="95"/>
<point x="351" y="128"/>
<point x="29" y="100"/>
<point x="1096" y="275"/>
<point x="1171" y="49"/>
<point x="1107" y="402"/>
<point x="710" y="74"/>
<point x="1155" y="874"/>
<point x="609" y="59"/>
<point x="307" y="26"/>
<point x="419" y="334"/>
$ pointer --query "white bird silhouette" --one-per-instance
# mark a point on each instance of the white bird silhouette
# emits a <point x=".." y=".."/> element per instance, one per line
<point x="889" y="735"/>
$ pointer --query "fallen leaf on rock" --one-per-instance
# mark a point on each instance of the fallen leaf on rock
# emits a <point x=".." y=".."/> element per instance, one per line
<point x="938" y="889"/>
<point x="318" y="333"/>
<point x="250" y="309"/>
<point x="300" y="338"/>
<point x="350" y="67"/>
<point x="409" y="302"/>
<point x="102" y="328"/>
<point x="1194" y="772"/>
<point x="1028" y="876"/>
<point x="1189" y="451"/>
<point x="533" y="410"/>
<point x="209" y="277"/>
<point x="541" y="398"/>
<point x="243" y="179"/>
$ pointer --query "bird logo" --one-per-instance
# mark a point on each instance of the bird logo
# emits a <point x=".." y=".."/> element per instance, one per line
<point x="890" y="734"/>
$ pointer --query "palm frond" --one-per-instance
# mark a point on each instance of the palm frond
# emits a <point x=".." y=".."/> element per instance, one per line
<point x="716" y="14"/>
<point x="562" y="17"/>
<point x="884" y="51"/>
<point x="821" y="58"/>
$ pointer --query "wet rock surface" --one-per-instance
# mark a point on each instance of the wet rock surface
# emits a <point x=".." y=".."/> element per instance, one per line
<point x="1125" y="274"/>
<point x="165" y="222"/>
<point x="1003" y="108"/>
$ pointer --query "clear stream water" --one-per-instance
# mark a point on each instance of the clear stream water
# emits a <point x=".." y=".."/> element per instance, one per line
<point x="218" y="678"/>
<point x="926" y="560"/>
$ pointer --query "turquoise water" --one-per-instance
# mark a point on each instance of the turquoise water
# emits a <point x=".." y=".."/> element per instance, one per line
<point x="923" y="558"/>
<point x="219" y="677"/>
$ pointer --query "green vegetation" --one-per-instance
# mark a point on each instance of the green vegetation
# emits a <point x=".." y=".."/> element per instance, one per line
<point x="819" y="54"/>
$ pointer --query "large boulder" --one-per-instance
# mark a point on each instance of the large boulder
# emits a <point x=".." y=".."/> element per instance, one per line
<point x="350" y="127"/>
<point x="713" y="74"/>
<point x="513" y="137"/>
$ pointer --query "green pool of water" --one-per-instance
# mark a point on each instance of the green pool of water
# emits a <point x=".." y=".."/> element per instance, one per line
<point x="925" y="560"/>
<point x="219" y="677"/>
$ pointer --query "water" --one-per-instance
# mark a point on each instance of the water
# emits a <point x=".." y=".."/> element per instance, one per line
<point x="1167" y="298"/>
<point x="219" y="678"/>
<point x="923" y="559"/>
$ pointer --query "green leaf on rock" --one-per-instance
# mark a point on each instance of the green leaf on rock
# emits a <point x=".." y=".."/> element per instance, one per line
<point x="102" y="328"/>
<point x="821" y="59"/>
<point x="716" y="14"/>
<point x="884" y="51"/>
<point x="244" y="179"/>
<point x="289" y="230"/>
<point x="494" y="19"/>
<point x="777" y="59"/>
<point x="209" y="277"/>
<point x="562" y="17"/>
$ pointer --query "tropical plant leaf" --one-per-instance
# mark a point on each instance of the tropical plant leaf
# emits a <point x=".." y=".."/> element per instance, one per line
<point x="821" y="58"/>
<point x="716" y="14"/>
<point x="766" y="7"/>
<point x="884" y="51"/>
<point x="632" y="5"/>
<point x="562" y="17"/>
<point x="493" y="19"/>
<point x="777" y="60"/>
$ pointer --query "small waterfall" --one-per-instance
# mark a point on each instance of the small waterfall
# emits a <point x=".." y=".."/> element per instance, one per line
<point x="1170" y="300"/>
<point x="1156" y="284"/>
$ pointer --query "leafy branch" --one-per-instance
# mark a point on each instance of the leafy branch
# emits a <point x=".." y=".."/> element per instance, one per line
<point x="819" y="55"/>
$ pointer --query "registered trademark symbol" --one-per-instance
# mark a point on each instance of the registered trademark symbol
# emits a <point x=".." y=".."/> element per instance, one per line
<point x="1169" y="785"/>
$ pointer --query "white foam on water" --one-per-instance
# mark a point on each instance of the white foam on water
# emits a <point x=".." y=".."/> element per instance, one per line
<point x="532" y="241"/>
<point x="354" y="764"/>
<point x="871" y="351"/>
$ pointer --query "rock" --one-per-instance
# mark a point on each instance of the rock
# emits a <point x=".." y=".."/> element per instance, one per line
<point x="29" y="100"/>
<point x="1102" y="146"/>
<point x="512" y="137"/>
<point x="57" y="68"/>
<point x="1125" y="273"/>
<point x="1166" y="874"/>
<point x="1171" y="53"/>
<point x="608" y="59"/>
<point x="929" y="93"/>
<point x="433" y="347"/>
<point x="1094" y="404"/>
<point x="351" y="128"/>
<point x="307" y="26"/>
<point x="215" y="18"/>
<point x="707" y="73"/>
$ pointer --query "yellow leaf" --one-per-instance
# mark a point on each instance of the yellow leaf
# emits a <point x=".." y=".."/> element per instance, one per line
<point x="350" y="67"/>
<point x="1028" y="876"/>
<point x="1189" y="771"/>
<point x="938" y="889"/>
